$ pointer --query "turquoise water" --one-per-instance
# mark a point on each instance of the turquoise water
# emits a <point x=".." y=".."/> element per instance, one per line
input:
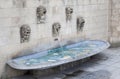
<point x="64" y="53"/>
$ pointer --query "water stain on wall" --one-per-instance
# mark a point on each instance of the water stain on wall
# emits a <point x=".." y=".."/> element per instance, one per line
<point x="19" y="3"/>
<point x="80" y="24"/>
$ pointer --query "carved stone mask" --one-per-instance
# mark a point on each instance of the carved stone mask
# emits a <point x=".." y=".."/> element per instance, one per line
<point x="80" y="24"/>
<point x="56" y="29"/>
<point x="69" y="12"/>
<point x="41" y="14"/>
<point x="25" y="31"/>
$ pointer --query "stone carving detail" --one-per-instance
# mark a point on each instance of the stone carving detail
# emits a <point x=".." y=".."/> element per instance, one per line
<point x="80" y="24"/>
<point x="41" y="14"/>
<point x="25" y="32"/>
<point x="56" y="29"/>
<point x="69" y="12"/>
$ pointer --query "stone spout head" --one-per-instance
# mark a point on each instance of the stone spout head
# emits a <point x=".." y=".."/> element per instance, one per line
<point x="56" y="29"/>
<point x="41" y="14"/>
<point x="25" y="31"/>
<point x="69" y="12"/>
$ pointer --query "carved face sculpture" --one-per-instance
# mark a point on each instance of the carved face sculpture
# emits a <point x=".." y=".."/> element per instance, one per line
<point x="56" y="29"/>
<point x="80" y="24"/>
<point x="69" y="12"/>
<point x="41" y="14"/>
<point x="25" y="33"/>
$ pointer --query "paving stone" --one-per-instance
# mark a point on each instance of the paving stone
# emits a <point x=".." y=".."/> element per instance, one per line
<point x="115" y="74"/>
<point x="24" y="77"/>
<point x="101" y="74"/>
<point x="72" y="70"/>
<point x="54" y="76"/>
<point x="90" y="66"/>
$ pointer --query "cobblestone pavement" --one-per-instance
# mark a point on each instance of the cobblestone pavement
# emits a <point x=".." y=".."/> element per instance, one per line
<point x="105" y="65"/>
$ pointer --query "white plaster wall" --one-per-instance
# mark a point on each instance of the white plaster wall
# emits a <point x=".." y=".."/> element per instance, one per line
<point x="14" y="13"/>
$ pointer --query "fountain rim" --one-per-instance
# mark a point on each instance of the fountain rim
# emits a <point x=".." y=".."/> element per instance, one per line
<point x="42" y="67"/>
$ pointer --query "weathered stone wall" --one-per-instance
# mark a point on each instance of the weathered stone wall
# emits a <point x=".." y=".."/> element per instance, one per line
<point x="15" y="13"/>
<point x="114" y="29"/>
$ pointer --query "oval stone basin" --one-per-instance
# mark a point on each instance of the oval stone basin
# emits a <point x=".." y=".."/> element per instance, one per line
<point x="58" y="56"/>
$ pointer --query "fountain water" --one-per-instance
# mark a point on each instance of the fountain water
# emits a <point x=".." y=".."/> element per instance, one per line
<point x="61" y="46"/>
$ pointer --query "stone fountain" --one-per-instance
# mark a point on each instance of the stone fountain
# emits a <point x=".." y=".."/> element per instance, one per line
<point x="58" y="56"/>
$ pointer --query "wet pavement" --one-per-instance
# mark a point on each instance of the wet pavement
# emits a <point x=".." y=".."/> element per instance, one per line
<point x="105" y="65"/>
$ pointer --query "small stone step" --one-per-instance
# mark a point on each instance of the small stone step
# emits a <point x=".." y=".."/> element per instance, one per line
<point x="54" y="76"/>
<point x="24" y="77"/>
